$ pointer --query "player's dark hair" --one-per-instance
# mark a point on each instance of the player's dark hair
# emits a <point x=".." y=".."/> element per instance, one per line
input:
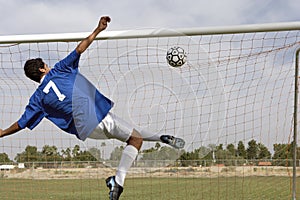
<point x="32" y="67"/>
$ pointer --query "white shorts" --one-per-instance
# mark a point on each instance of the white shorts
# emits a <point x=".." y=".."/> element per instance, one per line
<point x="112" y="127"/>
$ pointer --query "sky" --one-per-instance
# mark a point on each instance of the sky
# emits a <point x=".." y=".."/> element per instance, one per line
<point x="20" y="17"/>
<point x="66" y="16"/>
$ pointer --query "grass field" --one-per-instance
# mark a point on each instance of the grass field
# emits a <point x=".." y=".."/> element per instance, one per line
<point x="150" y="188"/>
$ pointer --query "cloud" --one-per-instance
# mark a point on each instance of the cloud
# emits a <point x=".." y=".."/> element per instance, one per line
<point x="33" y="16"/>
<point x="44" y="17"/>
<point x="272" y="11"/>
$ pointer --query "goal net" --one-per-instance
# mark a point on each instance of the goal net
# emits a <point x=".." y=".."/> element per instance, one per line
<point x="232" y="102"/>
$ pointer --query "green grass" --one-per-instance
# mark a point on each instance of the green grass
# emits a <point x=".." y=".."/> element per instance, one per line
<point x="151" y="188"/>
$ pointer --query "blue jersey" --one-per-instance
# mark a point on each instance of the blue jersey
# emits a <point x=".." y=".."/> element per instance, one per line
<point x="68" y="99"/>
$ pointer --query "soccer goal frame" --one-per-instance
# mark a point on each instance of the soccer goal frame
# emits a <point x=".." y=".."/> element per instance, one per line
<point x="154" y="33"/>
<point x="295" y="123"/>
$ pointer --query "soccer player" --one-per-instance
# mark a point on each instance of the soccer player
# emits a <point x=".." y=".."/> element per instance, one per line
<point x="71" y="102"/>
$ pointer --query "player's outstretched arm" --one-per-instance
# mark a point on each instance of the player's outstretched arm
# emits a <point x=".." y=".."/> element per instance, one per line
<point x="84" y="44"/>
<point x="10" y="130"/>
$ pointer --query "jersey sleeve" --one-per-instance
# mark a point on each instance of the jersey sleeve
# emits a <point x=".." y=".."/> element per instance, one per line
<point x="33" y="114"/>
<point x="69" y="63"/>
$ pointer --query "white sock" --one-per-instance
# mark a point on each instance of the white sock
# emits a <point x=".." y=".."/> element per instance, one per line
<point x="150" y="136"/>
<point x="128" y="156"/>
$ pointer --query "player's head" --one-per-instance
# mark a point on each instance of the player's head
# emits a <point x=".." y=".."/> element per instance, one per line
<point x="35" y="69"/>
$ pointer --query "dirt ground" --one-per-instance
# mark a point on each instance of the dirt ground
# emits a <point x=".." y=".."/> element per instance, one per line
<point x="103" y="172"/>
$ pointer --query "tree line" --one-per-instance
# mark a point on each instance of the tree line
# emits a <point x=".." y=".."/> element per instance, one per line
<point x="240" y="155"/>
<point x="204" y="155"/>
<point x="51" y="154"/>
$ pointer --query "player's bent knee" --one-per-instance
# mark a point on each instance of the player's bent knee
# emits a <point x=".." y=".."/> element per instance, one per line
<point x="135" y="139"/>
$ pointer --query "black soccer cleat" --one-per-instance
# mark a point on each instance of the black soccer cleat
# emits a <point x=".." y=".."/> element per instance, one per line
<point x="115" y="190"/>
<point x="175" y="142"/>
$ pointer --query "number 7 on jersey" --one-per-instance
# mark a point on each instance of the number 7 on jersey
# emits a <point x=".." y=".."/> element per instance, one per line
<point x="52" y="85"/>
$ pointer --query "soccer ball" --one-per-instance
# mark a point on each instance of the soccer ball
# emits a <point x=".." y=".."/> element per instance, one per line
<point x="176" y="56"/>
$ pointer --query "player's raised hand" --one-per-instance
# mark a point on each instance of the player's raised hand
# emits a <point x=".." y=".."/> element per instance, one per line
<point x="85" y="43"/>
<point x="1" y="132"/>
<point x="103" y="22"/>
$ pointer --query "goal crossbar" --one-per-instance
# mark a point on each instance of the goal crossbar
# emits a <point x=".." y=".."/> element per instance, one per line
<point x="149" y="33"/>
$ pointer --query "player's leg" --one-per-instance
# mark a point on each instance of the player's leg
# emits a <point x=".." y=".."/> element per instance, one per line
<point x="111" y="128"/>
<point x="115" y="183"/>
<point x="120" y="129"/>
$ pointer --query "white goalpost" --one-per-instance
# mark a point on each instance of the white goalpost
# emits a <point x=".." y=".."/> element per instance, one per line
<point x="233" y="102"/>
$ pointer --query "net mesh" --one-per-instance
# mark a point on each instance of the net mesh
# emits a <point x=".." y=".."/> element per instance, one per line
<point x="234" y="89"/>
